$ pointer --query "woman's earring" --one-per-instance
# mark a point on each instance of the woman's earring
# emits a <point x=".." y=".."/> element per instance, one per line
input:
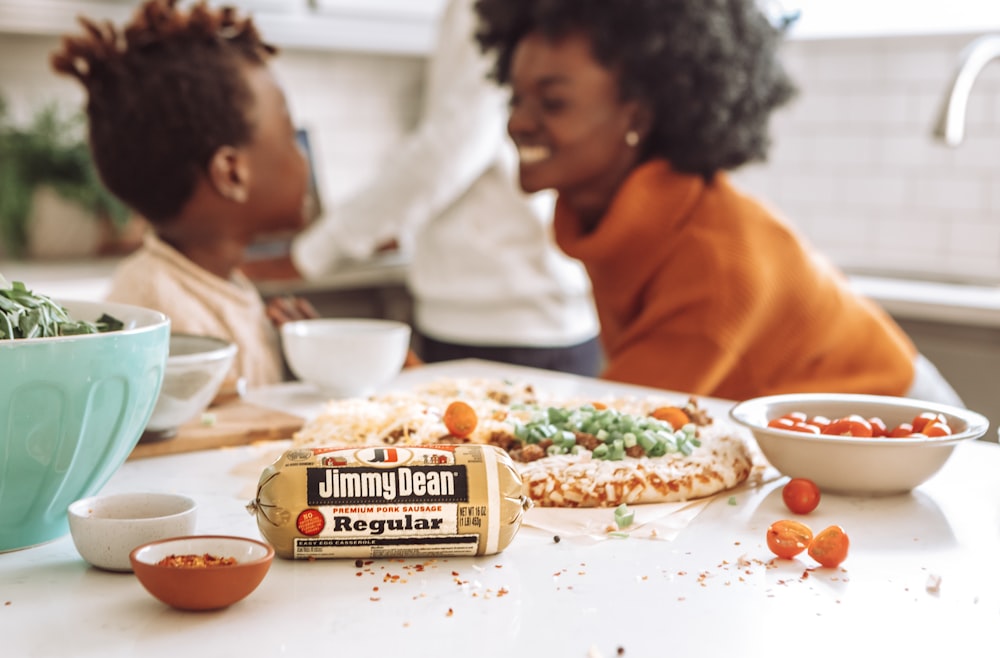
<point x="632" y="138"/>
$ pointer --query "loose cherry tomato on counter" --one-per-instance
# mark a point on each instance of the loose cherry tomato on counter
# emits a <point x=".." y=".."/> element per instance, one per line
<point x="787" y="538"/>
<point x="878" y="427"/>
<point x="801" y="495"/>
<point x="829" y="547"/>
<point x="460" y="419"/>
<point x="901" y="431"/>
<point x="676" y="416"/>
<point x="853" y="425"/>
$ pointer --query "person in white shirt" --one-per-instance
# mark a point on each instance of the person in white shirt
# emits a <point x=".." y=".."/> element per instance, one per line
<point x="486" y="277"/>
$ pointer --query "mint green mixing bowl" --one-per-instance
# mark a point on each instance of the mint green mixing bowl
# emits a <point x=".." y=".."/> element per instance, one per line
<point x="71" y="410"/>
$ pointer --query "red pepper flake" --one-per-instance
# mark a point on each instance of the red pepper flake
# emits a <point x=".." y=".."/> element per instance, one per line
<point x="498" y="566"/>
<point x="450" y="613"/>
<point x="7" y="603"/>
<point x="195" y="561"/>
<point x="621" y="651"/>
<point x="375" y="589"/>
<point x="805" y="574"/>
<point x="359" y="574"/>
<point x="454" y="573"/>
<point x="374" y="598"/>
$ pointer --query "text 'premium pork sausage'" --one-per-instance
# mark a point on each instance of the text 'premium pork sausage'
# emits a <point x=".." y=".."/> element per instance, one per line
<point x="377" y="501"/>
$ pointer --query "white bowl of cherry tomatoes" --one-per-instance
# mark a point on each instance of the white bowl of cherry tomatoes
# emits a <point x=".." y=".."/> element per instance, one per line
<point x="857" y="444"/>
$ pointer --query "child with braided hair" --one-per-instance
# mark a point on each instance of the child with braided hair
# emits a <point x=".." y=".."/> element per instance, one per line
<point x="189" y="127"/>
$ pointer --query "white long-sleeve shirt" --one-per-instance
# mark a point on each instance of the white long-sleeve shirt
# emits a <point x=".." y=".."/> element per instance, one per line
<point x="485" y="269"/>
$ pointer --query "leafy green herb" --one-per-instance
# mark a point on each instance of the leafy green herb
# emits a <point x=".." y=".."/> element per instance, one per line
<point x="24" y="314"/>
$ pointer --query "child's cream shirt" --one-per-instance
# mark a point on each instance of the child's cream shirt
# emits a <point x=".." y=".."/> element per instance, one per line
<point x="197" y="302"/>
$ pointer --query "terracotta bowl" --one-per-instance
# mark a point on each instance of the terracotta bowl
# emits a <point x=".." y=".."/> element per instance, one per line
<point x="201" y="587"/>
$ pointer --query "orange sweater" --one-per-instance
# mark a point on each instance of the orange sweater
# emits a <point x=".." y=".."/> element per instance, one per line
<point x="701" y="289"/>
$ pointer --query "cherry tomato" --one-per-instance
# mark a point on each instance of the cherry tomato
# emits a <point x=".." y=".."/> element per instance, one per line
<point x="782" y="423"/>
<point x="901" y="431"/>
<point x="787" y="538"/>
<point x="797" y="416"/>
<point x="460" y="419"/>
<point x="801" y="496"/>
<point x="829" y="547"/>
<point x="819" y="421"/>
<point x="807" y="428"/>
<point x="922" y="419"/>
<point x="792" y="425"/>
<point x="853" y="425"/>
<point x="673" y="415"/>
<point x="878" y="427"/>
<point x="937" y="428"/>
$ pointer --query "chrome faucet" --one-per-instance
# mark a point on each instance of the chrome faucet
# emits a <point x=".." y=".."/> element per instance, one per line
<point x="950" y="125"/>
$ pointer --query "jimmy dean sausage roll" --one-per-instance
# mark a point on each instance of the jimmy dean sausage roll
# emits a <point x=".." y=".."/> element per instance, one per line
<point x="377" y="501"/>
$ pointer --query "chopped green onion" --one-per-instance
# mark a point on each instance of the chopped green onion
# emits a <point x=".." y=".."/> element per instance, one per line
<point x="616" y="431"/>
<point x="624" y="516"/>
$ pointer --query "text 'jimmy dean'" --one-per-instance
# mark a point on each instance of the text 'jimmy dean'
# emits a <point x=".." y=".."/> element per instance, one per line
<point x="340" y="486"/>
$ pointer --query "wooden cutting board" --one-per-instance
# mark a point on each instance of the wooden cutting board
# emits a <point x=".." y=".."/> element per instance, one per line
<point x="236" y="423"/>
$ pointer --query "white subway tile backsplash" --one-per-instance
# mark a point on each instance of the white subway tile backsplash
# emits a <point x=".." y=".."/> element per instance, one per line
<point x="949" y="191"/>
<point x="875" y="191"/>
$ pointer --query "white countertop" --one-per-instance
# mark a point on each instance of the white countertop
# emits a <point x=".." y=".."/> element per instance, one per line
<point x="949" y="303"/>
<point x="922" y="579"/>
<point x="91" y="279"/>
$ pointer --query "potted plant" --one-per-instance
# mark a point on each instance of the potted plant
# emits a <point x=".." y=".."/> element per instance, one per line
<point x="49" y="157"/>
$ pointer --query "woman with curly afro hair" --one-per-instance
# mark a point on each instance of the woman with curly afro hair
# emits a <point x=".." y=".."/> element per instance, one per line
<point x="189" y="127"/>
<point x="633" y="111"/>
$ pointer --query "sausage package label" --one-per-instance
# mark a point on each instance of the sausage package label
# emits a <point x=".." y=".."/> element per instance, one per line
<point x="376" y="501"/>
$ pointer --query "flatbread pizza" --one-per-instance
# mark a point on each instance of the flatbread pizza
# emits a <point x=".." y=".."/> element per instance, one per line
<point x="570" y="453"/>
